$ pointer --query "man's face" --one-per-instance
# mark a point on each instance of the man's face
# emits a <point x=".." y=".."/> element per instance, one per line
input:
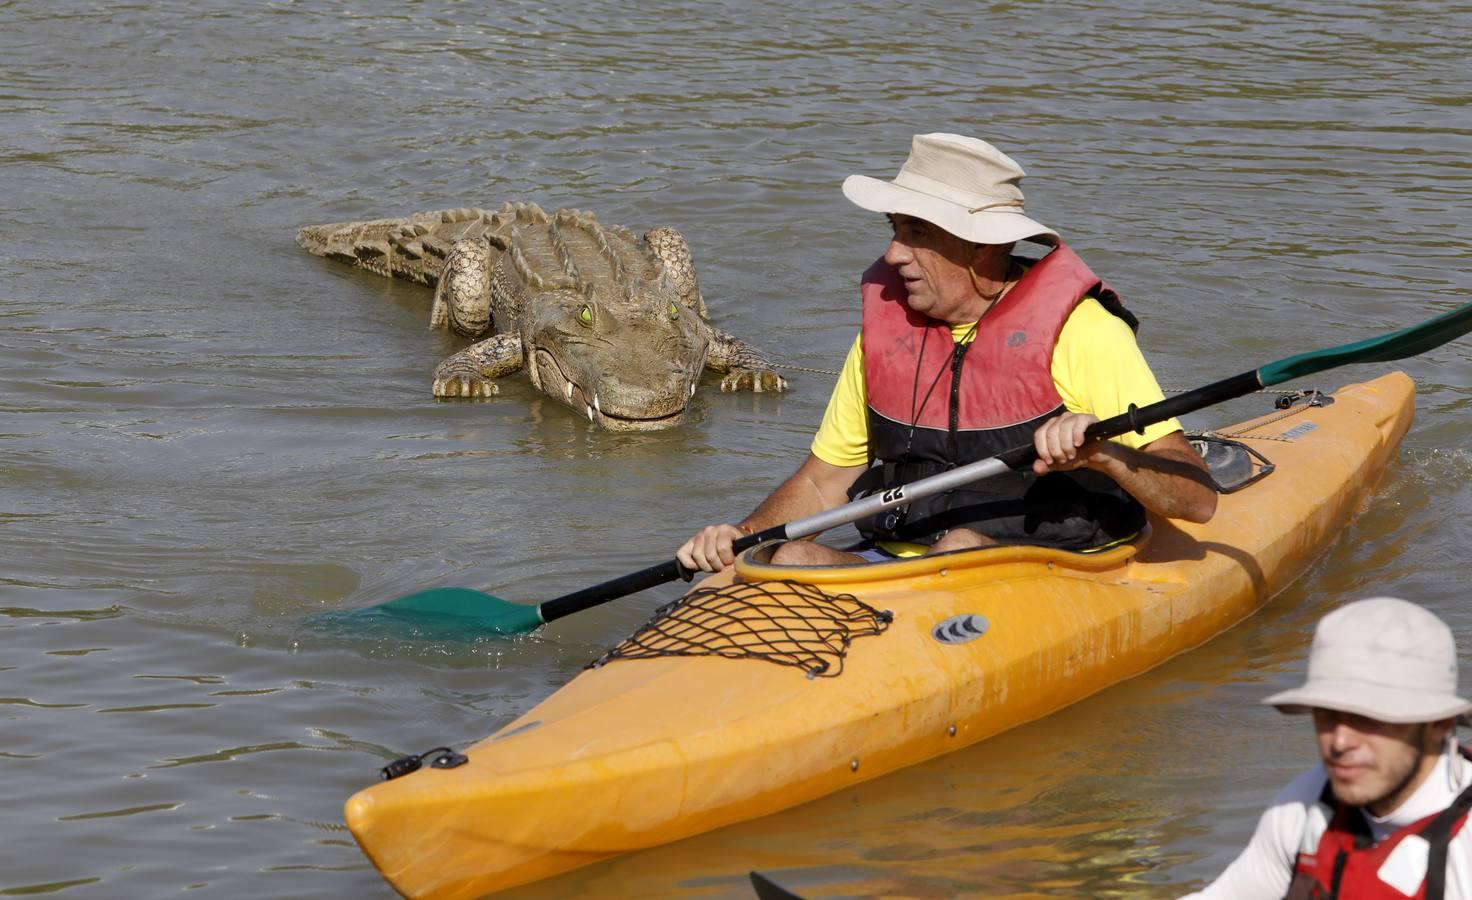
<point x="1372" y="763"/>
<point x="936" y="267"/>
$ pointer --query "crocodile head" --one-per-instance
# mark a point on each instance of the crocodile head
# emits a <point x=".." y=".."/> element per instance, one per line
<point x="628" y="360"/>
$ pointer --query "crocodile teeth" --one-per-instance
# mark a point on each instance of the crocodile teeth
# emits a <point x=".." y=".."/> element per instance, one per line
<point x="596" y="405"/>
<point x="692" y="389"/>
<point x="567" y="390"/>
<point x="590" y="414"/>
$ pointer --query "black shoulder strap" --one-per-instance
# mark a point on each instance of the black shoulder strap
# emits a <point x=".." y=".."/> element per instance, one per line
<point x="1110" y="300"/>
<point x="1354" y="817"/>
<point x="1439" y="835"/>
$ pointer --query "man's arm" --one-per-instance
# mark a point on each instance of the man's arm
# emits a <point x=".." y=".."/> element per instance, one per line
<point x="814" y="487"/>
<point x="1264" y="868"/>
<point x="1167" y="475"/>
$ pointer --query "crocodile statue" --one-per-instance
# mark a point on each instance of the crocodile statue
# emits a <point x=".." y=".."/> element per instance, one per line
<point x="610" y="324"/>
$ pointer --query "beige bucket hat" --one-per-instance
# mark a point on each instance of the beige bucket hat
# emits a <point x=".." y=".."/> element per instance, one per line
<point x="964" y="185"/>
<point x="1382" y="658"/>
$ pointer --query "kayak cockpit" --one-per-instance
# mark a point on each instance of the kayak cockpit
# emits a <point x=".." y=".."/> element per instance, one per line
<point x="1232" y="464"/>
<point x="756" y="565"/>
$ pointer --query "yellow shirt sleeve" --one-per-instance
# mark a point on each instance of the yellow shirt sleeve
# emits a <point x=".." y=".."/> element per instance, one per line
<point x="1097" y="368"/>
<point x="843" y="438"/>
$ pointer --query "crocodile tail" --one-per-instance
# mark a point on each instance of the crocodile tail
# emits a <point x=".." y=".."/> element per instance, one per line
<point x="412" y="247"/>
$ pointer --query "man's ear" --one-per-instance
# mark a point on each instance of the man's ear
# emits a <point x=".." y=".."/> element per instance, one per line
<point x="1437" y="732"/>
<point x="982" y="255"/>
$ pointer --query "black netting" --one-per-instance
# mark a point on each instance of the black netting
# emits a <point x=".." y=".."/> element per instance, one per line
<point x="783" y="622"/>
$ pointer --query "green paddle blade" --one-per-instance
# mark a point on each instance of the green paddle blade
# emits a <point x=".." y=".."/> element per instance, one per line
<point x="452" y="601"/>
<point x="433" y="614"/>
<point x="1397" y="345"/>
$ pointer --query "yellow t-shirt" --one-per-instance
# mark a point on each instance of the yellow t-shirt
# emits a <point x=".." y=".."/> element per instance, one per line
<point x="1097" y="368"/>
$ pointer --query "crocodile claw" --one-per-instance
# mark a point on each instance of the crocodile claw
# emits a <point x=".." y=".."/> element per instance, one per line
<point x="465" y="385"/>
<point x="758" y="380"/>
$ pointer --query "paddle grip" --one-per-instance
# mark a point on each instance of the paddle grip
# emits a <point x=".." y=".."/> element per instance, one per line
<point x="1138" y="418"/>
<point x="747" y="541"/>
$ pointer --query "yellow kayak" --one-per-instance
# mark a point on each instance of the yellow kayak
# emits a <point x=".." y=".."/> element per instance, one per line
<point x="929" y="655"/>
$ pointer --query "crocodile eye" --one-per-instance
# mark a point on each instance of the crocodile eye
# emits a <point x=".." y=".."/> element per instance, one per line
<point x="674" y="311"/>
<point x="586" y="316"/>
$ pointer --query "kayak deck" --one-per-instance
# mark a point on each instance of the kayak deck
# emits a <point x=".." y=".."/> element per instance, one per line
<point x="639" y="752"/>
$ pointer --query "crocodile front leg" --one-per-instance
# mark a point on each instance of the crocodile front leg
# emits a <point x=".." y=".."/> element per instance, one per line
<point x="745" y="368"/>
<point x="469" y="372"/>
<point x="462" y="298"/>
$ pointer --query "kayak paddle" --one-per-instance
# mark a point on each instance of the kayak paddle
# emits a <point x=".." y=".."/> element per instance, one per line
<point x="476" y="609"/>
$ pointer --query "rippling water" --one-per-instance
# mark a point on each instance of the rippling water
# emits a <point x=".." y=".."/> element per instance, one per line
<point x="206" y="434"/>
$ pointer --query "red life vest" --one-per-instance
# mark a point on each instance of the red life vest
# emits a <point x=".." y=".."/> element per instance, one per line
<point x="1007" y="379"/>
<point x="1345" y="862"/>
<point x="935" y="404"/>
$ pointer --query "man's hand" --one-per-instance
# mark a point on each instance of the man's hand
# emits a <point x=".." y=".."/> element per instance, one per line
<point x="1166" y="475"/>
<point x="710" y="550"/>
<point x="1061" y="445"/>
<point x="814" y="487"/>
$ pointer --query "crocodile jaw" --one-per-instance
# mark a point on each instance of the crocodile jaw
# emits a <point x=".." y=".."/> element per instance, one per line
<point x="552" y="378"/>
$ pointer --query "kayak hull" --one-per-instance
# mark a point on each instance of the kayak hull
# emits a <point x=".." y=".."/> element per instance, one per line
<point x="637" y="753"/>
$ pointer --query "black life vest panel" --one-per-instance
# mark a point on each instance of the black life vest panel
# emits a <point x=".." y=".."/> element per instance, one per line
<point x="935" y="404"/>
<point x="1343" y="861"/>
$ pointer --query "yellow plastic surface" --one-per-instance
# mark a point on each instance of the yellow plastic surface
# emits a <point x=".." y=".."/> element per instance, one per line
<point x="641" y="752"/>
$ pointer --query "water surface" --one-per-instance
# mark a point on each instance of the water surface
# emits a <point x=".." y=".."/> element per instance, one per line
<point x="206" y="434"/>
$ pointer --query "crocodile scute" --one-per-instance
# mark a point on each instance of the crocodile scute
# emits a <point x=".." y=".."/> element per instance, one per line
<point x="607" y="322"/>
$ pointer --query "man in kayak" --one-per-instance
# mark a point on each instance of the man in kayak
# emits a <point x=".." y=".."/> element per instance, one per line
<point x="1384" y="813"/>
<point x="966" y="351"/>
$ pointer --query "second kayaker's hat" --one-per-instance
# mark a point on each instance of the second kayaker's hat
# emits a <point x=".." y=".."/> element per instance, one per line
<point x="964" y="185"/>
<point x="1382" y="658"/>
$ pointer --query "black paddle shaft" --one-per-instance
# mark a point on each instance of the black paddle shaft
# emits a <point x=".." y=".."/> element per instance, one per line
<point x="643" y="579"/>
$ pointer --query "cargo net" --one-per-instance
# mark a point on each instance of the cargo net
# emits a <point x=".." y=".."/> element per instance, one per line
<point x="782" y="622"/>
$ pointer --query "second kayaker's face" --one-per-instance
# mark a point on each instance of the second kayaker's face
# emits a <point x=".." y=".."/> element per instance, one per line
<point x="1374" y="764"/>
<point x="937" y="269"/>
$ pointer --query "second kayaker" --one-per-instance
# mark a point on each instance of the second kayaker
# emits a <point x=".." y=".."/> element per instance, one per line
<point x="967" y="350"/>
<point x="1384" y="813"/>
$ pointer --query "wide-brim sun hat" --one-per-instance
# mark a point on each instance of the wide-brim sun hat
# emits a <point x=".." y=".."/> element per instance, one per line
<point x="963" y="184"/>
<point x="1382" y="658"/>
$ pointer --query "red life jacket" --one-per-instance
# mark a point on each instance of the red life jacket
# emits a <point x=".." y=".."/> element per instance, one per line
<point x="1345" y="862"/>
<point x="935" y="404"/>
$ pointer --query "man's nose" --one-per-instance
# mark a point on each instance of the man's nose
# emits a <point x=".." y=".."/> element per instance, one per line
<point x="897" y="254"/>
<point x="1343" y="737"/>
